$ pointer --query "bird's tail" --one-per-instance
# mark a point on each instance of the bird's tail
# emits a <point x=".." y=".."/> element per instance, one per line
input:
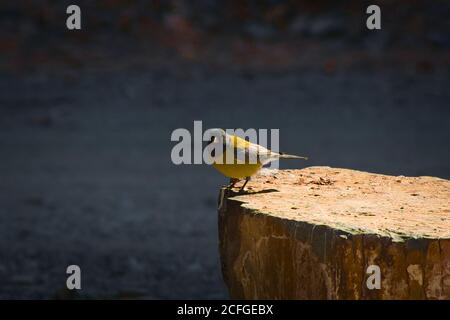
<point x="290" y="156"/>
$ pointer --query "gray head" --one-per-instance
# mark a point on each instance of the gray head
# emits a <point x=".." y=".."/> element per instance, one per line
<point x="216" y="135"/>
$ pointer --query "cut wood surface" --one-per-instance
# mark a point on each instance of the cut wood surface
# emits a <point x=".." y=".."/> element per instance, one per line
<point x="312" y="234"/>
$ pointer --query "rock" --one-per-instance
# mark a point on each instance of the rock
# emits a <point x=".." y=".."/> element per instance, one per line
<point x="313" y="233"/>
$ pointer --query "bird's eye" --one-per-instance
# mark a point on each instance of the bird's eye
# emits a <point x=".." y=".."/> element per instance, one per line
<point x="211" y="140"/>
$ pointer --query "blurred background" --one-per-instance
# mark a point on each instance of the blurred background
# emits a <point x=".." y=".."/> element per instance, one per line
<point x="86" y="117"/>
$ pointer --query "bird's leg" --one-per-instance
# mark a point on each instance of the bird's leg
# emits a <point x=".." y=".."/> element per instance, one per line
<point x="233" y="181"/>
<point x="243" y="186"/>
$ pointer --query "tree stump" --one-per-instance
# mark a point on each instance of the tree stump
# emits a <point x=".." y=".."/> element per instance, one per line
<point x="313" y="233"/>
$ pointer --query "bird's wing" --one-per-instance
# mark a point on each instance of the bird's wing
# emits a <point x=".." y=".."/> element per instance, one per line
<point x="247" y="151"/>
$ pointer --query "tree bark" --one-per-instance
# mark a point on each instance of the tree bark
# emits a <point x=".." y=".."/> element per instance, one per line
<point x="313" y="233"/>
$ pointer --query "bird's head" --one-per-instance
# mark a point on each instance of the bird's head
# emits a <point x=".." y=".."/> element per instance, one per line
<point x="217" y="135"/>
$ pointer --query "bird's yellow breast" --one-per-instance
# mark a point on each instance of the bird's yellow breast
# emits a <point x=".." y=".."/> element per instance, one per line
<point x="238" y="170"/>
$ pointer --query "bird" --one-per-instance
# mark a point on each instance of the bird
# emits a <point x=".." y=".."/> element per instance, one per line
<point x="248" y="158"/>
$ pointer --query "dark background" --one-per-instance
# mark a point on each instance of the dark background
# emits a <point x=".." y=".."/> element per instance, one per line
<point x="86" y="117"/>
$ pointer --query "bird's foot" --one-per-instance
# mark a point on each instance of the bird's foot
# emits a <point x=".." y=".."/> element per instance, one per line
<point x="233" y="181"/>
<point x="242" y="190"/>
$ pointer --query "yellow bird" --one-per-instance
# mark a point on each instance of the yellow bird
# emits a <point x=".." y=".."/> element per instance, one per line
<point x="240" y="159"/>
